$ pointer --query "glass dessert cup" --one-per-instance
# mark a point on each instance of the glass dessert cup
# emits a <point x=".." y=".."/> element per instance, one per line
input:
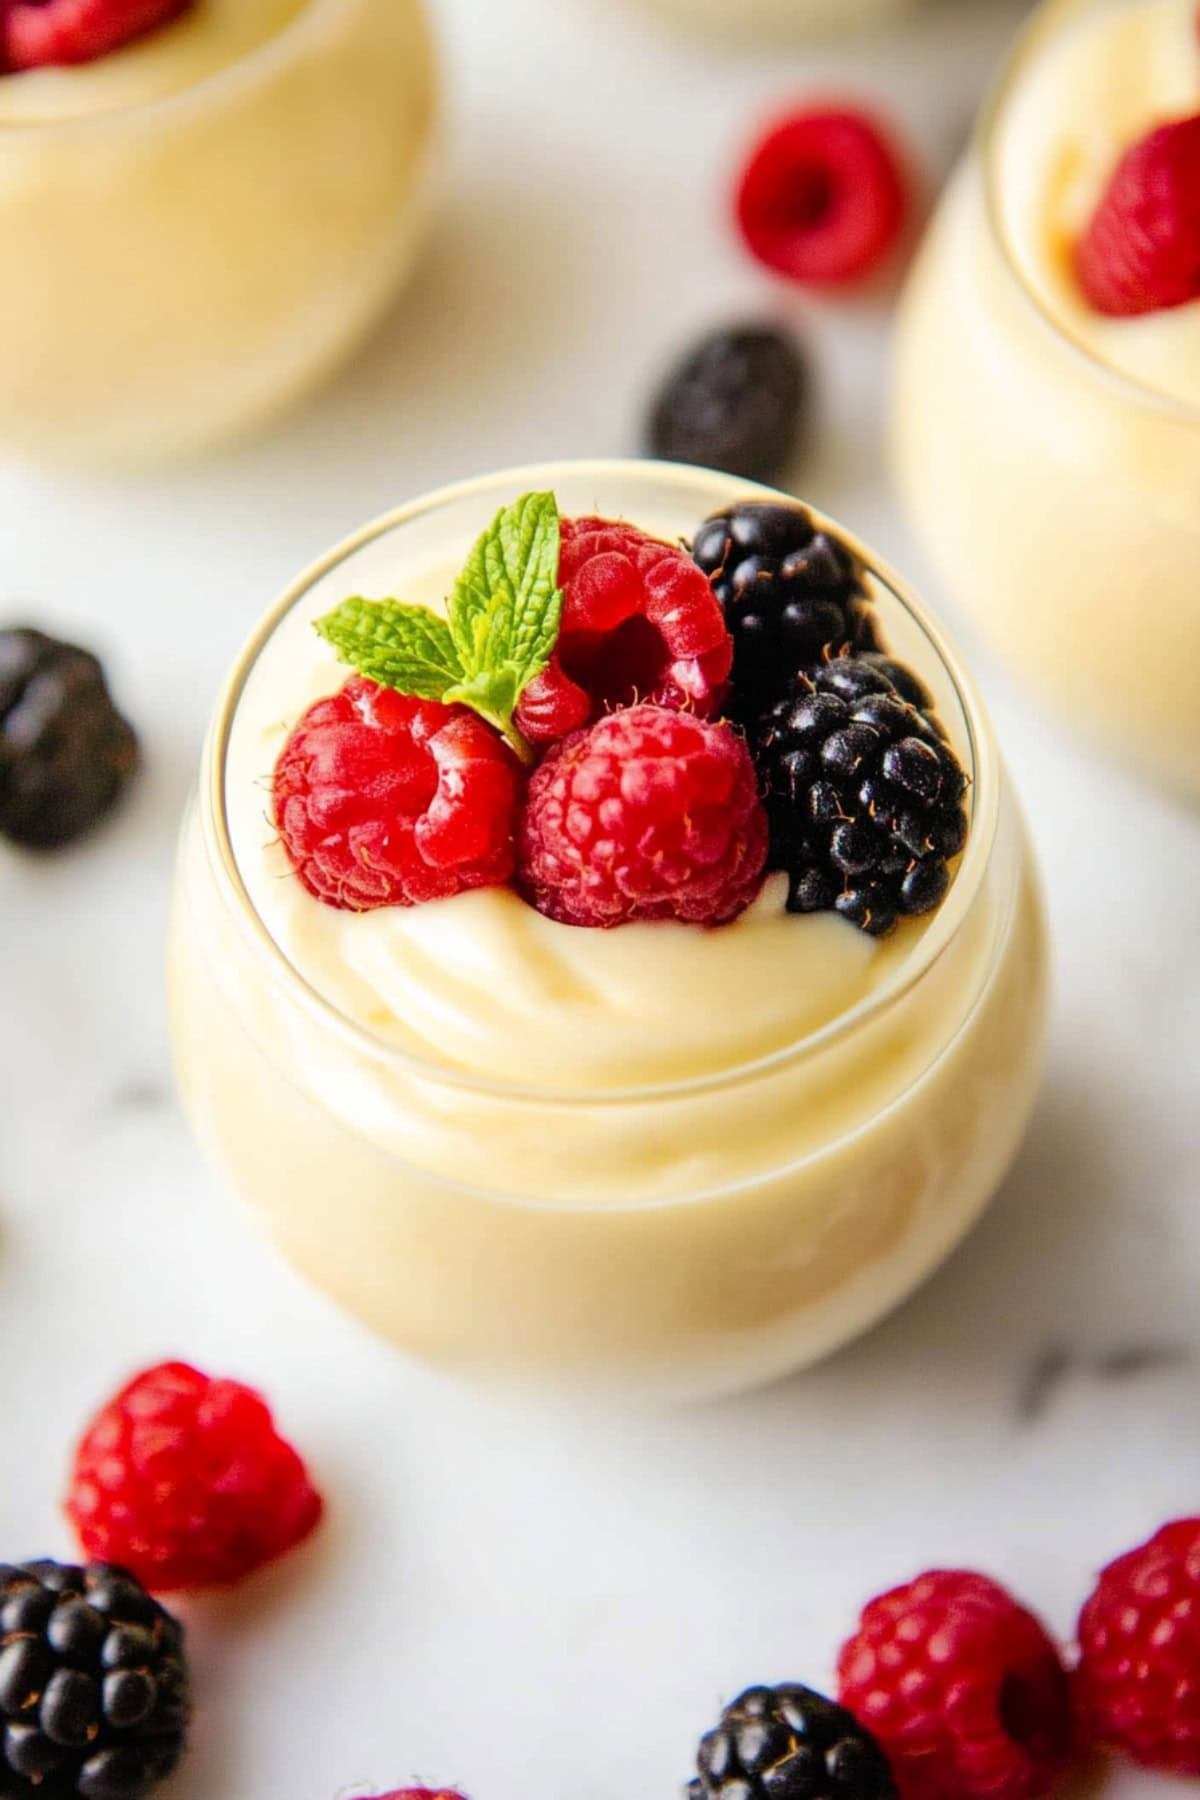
<point x="661" y="1190"/>
<point x="1055" y="494"/>
<point x="180" y="266"/>
<point x="784" y="19"/>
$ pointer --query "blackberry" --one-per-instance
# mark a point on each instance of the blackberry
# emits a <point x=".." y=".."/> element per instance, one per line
<point x="93" y="1684"/>
<point x="793" y="596"/>
<point x="788" y="1743"/>
<point x="733" y="403"/>
<point x="66" y="754"/>
<point x="865" y="797"/>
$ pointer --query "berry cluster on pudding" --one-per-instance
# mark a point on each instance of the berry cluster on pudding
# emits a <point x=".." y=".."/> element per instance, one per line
<point x="625" y="729"/>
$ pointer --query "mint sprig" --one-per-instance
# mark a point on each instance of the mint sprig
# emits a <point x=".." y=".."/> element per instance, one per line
<point x="501" y="625"/>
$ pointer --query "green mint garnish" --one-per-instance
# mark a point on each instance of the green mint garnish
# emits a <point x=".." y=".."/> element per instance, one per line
<point x="501" y="625"/>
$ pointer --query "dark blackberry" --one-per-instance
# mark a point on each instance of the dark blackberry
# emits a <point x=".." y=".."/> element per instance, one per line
<point x="787" y="1743"/>
<point x="66" y="754"/>
<point x="793" y="596"/>
<point x="732" y="403"/>
<point x="93" y="1684"/>
<point x="864" y="795"/>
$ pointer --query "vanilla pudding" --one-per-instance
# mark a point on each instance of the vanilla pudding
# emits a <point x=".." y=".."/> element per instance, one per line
<point x="1050" y="454"/>
<point x="693" y="1157"/>
<point x="200" y="223"/>
<point x="786" y="18"/>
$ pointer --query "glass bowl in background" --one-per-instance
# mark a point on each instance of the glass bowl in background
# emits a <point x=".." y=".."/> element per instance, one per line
<point x="1056" y="496"/>
<point x="180" y="267"/>
<point x="667" y="1232"/>
<point x="783" y="19"/>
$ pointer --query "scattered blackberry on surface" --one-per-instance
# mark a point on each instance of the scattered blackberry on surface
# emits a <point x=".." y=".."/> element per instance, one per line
<point x="792" y="594"/>
<point x="865" y="797"/>
<point x="66" y="754"/>
<point x="732" y="403"/>
<point x="788" y="1743"/>
<point x="93" y="1684"/>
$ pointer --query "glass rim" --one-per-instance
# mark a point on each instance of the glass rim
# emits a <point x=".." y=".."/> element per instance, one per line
<point x="277" y="47"/>
<point x="1047" y="19"/>
<point x="941" y="932"/>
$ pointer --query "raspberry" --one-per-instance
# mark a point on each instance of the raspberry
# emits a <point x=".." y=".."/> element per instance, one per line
<point x="1141" y="251"/>
<point x="637" y="625"/>
<point x="650" y="814"/>
<point x="823" y="196"/>
<point x="1138" y="1686"/>
<point x="382" y="800"/>
<point x="184" y="1480"/>
<point x="37" y="33"/>
<point x="418" y="1794"/>
<point x="963" y="1689"/>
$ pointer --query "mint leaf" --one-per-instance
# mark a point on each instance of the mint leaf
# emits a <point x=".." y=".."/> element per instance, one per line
<point x="506" y="606"/>
<point x="502" y="623"/>
<point x="407" y="648"/>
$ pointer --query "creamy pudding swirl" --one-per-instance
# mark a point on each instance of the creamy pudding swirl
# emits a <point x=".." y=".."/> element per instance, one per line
<point x="692" y="976"/>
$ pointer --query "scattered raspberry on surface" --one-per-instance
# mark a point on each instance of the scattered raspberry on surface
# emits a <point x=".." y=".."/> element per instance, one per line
<point x="638" y="625"/>
<point x="823" y="196"/>
<point x="1141" y="251"/>
<point x="383" y="800"/>
<point x="39" y="33"/>
<point x="417" y="1794"/>
<point x="649" y="814"/>
<point x="184" y="1480"/>
<point x="1138" y="1684"/>
<point x="963" y="1689"/>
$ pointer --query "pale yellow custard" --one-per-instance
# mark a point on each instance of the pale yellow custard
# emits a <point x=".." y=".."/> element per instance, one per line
<point x="199" y="225"/>
<point x="785" y="18"/>
<point x="1049" y="454"/>
<point x="690" y="1157"/>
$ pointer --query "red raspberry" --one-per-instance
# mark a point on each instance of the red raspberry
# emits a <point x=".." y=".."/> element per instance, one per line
<point x="418" y="1794"/>
<point x="1141" y="252"/>
<point x="1138" y="1686"/>
<point x="962" y="1687"/>
<point x="382" y="800"/>
<point x="40" y="32"/>
<point x="640" y="622"/>
<point x="184" y="1481"/>
<point x="823" y="196"/>
<point x="650" y="814"/>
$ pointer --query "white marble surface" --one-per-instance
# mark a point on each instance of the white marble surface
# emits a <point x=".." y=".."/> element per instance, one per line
<point x="549" y="1604"/>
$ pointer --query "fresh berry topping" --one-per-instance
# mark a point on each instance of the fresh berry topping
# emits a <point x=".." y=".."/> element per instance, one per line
<point x="1138" y="1686"/>
<point x="649" y="814"/>
<point x="733" y="403"/>
<point x="1141" y="251"/>
<point x="962" y="1687"/>
<point x="66" y="754"/>
<point x="417" y="1794"/>
<point x="823" y="197"/>
<point x="186" y="1481"/>
<point x="638" y="624"/>
<point x="37" y="33"/>
<point x="864" y="795"/>
<point x="384" y="800"/>
<point x="787" y="1743"/>
<point x="93" y="1685"/>
<point x="792" y="595"/>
